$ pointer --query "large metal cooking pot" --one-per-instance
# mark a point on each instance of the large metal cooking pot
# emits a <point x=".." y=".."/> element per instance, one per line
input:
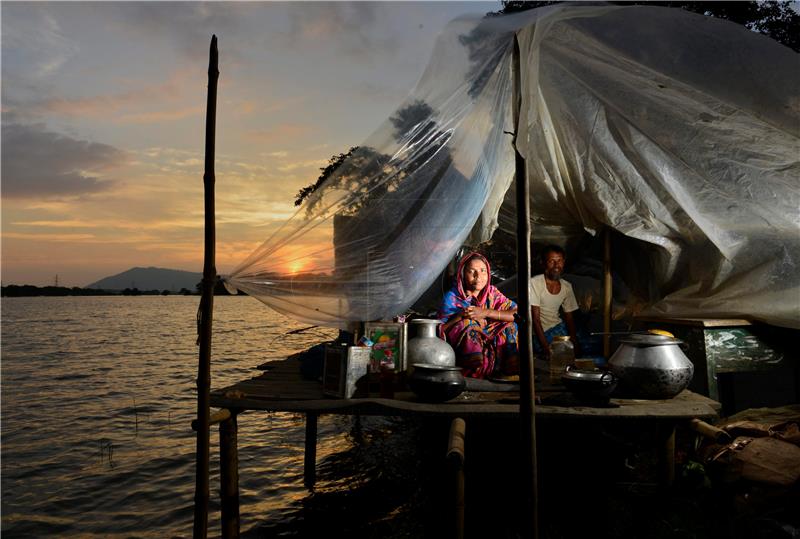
<point x="651" y="366"/>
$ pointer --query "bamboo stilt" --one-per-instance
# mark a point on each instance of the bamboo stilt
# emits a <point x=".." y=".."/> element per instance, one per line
<point x="607" y="293"/>
<point x="204" y="315"/>
<point x="667" y="456"/>
<point x="310" y="455"/>
<point x="456" y="455"/>
<point x="530" y="523"/>
<point x="229" y="477"/>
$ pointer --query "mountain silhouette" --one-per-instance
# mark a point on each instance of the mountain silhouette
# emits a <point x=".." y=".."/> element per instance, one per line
<point x="150" y="279"/>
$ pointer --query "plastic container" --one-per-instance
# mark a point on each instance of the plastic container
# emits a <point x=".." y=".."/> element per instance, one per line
<point x="562" y="353"/>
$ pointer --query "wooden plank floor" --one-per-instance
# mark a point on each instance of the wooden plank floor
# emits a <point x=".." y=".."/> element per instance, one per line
<point x="281" y="388"/>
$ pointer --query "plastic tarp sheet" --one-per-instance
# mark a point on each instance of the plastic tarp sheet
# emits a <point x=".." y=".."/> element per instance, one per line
<point x="678" y="132"/>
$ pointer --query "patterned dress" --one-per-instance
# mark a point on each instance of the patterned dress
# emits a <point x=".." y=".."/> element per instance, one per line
<point x="480" y="350"/>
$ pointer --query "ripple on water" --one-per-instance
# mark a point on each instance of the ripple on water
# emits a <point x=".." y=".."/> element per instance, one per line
<point x="80" y="458"/>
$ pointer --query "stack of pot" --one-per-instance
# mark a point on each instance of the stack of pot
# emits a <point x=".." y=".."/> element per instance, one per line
<point x="433" y="376"/>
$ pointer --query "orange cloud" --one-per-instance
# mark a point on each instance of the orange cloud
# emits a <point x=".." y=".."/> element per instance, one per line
<point x="160" y="116"/>
<point x="281" y="132"/>
<point x="47" y="237"/>
<point x="100" y="105"/>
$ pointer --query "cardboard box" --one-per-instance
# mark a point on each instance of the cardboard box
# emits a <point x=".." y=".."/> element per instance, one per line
<point x="388" y="342"/>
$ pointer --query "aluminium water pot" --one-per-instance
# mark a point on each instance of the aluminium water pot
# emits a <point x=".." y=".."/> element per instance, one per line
<point x="426" y="347"/>
<point x="651" y="367"/>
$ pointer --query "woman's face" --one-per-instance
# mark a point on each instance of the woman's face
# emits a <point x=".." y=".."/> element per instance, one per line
<point x="475" y="275"/>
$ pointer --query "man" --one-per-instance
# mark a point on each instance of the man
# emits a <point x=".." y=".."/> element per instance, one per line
<point x="549" y="293"/>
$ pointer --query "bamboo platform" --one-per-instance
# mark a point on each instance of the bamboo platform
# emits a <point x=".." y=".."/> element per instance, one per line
<point x="281" y="388"/>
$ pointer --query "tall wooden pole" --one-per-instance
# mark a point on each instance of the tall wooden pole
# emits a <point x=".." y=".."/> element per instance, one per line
<point x="607" y="292"/>
<point x="527" y="396"/>
<point x="204" y="315"/>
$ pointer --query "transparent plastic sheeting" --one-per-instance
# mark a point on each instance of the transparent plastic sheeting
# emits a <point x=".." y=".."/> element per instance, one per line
<point x="679" y="132"/>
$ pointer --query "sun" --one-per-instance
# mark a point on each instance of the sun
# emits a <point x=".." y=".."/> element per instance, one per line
<point x="296" y="266"/>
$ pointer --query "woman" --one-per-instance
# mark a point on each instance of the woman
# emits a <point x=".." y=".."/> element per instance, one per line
<point x="479" y="321"/>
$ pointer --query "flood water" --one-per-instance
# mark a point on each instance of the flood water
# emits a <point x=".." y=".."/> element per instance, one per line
<point x="98" y="395"/>
<point x="97" y="398"/>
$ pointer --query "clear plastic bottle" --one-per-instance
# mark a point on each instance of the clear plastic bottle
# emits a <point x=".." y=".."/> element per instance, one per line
<point x="562" y="353"/>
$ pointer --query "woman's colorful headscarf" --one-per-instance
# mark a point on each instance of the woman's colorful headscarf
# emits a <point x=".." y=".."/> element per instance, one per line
<point x="478" y="347"/>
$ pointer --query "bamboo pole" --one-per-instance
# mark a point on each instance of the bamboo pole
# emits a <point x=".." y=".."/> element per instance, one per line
<point x="229" y="476"/>
<point x="455" y="456"/>
<point x="204" y="315"/>
<point x="217" y="417"/>
<point x="310" y="453"/>
<point x="710" y="431"/>
<point x="527" y="409"/>
<point x="607" y="293"/>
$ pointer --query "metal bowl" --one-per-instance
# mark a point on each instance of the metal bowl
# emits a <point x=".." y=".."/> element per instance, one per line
<point x="436" y="383"/>
<point x="589" y="385"/>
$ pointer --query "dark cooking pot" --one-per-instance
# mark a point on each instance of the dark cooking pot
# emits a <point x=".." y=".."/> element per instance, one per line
<point x="436" y="383"/>
<point x="593" y="385"/>
<point x="651" y="367"/>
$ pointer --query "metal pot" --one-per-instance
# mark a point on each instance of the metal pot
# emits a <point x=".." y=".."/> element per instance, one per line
<point x="436" y="383"/>
<point x="594" y="386"/>
<point x="651" y="366"/>
<point x="426" y="347"/>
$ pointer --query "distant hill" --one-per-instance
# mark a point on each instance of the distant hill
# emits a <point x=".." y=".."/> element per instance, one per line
<point x="150" y="279"/>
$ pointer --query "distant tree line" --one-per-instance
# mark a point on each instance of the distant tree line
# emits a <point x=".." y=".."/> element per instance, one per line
<point x="14" y="290"/>
<point x="27" y="290"/>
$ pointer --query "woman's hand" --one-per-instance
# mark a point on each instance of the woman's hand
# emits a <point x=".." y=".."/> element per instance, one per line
<point x="479" y="314"/>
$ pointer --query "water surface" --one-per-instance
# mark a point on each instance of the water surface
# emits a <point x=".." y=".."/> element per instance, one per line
<point x="97" y="398"/>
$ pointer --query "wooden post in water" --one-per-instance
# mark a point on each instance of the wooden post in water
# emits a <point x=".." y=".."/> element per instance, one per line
<point x="607" y="292"/>
<point x="527" y="408"/>
<point x="456" y="457"/>
<point x="204" y="314"/>
<point x="229" y="476"/>
<point x="310" y="454"/>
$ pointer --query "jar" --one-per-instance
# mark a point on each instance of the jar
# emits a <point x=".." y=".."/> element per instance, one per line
<point x="562" y="353"/>
<point x="426" y="347"/>
<point x="651" y="366"/>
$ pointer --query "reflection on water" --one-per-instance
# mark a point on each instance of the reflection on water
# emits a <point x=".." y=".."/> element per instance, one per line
<point x="98" y="396"/>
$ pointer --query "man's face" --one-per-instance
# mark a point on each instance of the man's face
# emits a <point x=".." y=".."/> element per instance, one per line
<point x="553" y="266"/>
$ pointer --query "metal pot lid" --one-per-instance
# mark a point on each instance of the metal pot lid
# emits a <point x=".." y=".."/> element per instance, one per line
<point x="433" y="367"/>
<point x="649" y="339"/>
<point x="426" y="321"/>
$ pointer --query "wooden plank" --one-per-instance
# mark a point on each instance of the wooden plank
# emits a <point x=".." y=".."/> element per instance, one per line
<point x="686" y="406"/>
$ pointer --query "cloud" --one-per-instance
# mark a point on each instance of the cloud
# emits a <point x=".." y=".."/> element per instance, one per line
<point x="188" y="25"/>
<point x="352" y="26"/>
<point x="104" y="106"/>
<point x="161" y="115"/>
<point x="37" y="57"/>
<point x="279" y="133"/>
<point x="41" y="163"/>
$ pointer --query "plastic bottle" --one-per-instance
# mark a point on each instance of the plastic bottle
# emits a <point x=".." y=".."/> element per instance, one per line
<point x="562" y="353"/>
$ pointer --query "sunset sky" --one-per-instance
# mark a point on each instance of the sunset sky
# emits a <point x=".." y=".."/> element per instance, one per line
<point x="103" y="109"/>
